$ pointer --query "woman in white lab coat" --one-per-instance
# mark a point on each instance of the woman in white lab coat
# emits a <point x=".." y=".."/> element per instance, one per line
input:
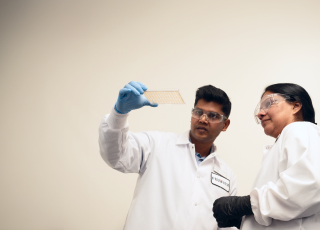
<point x="286" y="191"/>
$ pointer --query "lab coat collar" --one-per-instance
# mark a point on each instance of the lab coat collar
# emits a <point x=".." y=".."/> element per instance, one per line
<point x="267" y="148"/>
<point x="183" y="139"/>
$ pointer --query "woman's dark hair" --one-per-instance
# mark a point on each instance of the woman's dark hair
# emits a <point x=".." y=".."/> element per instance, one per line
<point x="211" y="93"/>
<point x="296" y="93"/>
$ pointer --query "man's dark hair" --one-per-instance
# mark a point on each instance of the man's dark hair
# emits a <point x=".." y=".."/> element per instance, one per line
<point x="211" y="93"/>
<point x="296" y="93"/>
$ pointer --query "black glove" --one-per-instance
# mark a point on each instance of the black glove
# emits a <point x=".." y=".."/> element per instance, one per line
<point x="231" y="207"/>
<point x="230" y="223"/>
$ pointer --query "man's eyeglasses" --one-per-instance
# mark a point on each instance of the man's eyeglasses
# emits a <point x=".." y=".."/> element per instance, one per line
<point x="211" y="117"/>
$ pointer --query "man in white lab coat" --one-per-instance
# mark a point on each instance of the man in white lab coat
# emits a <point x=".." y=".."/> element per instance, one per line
<point x="180" y="176"/>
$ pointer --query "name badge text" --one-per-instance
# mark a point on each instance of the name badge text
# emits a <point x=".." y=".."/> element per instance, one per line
<point x="220" y="181"/>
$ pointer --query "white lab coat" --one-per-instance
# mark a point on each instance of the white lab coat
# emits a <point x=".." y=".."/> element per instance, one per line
<point x="286" y="192"/>
<point x="172" y="191"/>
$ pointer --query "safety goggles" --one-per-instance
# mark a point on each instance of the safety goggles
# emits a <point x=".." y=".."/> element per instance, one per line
<point x="266" y="102"/>
<point x="211" y="117"/>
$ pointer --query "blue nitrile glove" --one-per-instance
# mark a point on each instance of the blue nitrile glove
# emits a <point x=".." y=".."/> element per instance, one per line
<point x="131" y="97"/>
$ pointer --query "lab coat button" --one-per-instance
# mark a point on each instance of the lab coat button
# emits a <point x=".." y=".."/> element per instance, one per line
<point x="198" y="176"/>
<point x="195" y="204"/>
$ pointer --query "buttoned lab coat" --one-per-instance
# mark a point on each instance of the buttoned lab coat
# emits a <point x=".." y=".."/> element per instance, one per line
<point x="172" y="191"/>
<point x="286" y="191"/>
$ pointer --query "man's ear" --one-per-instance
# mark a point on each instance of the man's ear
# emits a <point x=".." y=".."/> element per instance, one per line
<point x="226" y="125"/>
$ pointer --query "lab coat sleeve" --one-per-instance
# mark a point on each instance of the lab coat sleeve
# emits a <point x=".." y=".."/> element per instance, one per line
<point x="296" y="194"/>
<point x="121" y="149"/>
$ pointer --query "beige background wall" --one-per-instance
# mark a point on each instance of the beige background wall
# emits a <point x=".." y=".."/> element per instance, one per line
<point x="62" y="64"/>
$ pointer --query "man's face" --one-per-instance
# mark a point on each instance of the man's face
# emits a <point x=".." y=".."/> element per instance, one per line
<point x="203" y="131"/>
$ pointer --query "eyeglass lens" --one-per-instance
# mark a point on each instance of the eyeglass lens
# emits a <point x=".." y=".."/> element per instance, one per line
<point x="211" y="116"/>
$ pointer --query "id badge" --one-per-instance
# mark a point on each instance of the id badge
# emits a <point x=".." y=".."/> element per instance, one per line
<point x="220" y="181"/>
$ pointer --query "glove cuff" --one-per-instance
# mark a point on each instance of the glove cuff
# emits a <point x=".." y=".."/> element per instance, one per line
<point x="115" y="108"/>
<point x="246" y="205"/>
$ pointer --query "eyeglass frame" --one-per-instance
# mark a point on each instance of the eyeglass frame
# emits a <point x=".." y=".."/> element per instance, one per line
<point x="223" y="117"/>
<point x="285" y="98"/>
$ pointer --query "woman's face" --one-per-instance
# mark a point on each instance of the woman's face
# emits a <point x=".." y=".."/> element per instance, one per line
<point x="278" y="116"/>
